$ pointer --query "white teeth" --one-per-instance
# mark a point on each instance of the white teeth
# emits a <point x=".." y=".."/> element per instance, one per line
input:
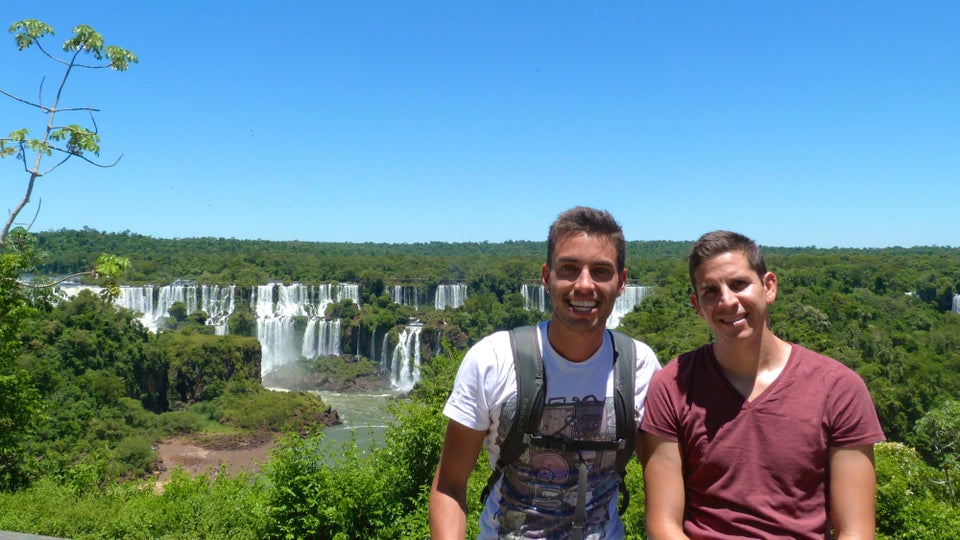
<point x="582" y="303"/>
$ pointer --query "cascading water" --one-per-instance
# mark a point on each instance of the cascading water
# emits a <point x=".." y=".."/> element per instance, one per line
<point x="322" y="338"/>
<point x="534" y="297"/>
<point x="405" y="363"/>
<point x="384" y="356"/>
<point x="291" y="321"/>
<point x="218" y="303"/>
<point x="406" y="295"/>
<point x="278" y="308"/>
<point x="632" y="295"/>
<point x="450" y="295"/>
<point x="154" y="304"/>
<point x="956" y="303"/>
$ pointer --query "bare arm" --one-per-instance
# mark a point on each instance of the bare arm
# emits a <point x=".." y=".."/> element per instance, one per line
<point x="663" y="485"/>
<point x="448" y="494"/>
<point x="853" y="487"/>
<point x="638" y="445"/>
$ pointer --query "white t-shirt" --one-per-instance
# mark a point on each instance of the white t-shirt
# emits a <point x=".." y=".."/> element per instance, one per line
<point x="536" y="497"/>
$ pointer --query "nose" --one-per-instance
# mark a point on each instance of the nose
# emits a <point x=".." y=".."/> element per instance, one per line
<point x="584" y="280"/>
<point x="726" y="296"/>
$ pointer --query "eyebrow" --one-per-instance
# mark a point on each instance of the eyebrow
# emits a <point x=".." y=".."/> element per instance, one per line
<point x="594" y="262"/>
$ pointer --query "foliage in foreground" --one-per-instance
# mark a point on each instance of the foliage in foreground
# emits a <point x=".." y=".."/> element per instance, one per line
<point x="186" y="508"/>
<point x="311" y="488"/>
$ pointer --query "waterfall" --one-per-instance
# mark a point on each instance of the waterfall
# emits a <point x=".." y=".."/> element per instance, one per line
<point x="534" y="297"/>
<point x="384" y="358"/>
<point x="956" y="303"/>
<point x="154" y="304"/>
<point x="322" y="338"/>
<point x="277" y="307"/>
<point x="450" y="294"/>
<point x="405" y="363"/>
<point x="140" y="300"/>
<point x="632" y="295"/>
<point x="406" y="295"/>
<point x="218" y="303"/>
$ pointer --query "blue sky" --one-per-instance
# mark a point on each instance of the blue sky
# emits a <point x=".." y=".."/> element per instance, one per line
<point x="797" y="123"/>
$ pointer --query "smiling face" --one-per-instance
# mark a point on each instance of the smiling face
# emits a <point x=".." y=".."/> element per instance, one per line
<point x="583" y="282"/>
<point x="732" y="298"/>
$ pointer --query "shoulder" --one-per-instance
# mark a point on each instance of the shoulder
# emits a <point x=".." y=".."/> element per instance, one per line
<point x="645" y="357"/>
<point x="490" y="349"/>
<point x="683" y="368"/>
<point x="695" y="360"/>
<point x="485" y="379"/>
<point x="487" y="364"/>
<point x="825" y="367"/>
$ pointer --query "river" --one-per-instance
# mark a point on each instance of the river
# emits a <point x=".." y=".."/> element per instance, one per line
<point x="364" y="416"/>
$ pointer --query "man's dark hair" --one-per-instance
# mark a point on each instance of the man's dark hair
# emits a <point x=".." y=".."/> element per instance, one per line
<point x="719" y="242"/>
<point x="591" y="221"/>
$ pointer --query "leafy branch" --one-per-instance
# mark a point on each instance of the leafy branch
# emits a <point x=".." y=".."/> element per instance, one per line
<point x="109" y="268"/>
<point x="66" y="141"/>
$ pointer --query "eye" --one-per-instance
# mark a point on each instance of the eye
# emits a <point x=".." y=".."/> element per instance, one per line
<point x="739" y="285"/>
<point x="707" y="293"/>
<point x="602" y="274"/>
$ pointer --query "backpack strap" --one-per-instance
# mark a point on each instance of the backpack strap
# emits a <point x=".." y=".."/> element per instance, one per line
<point x="531" y="382"/>
<point x="624" y="365"/>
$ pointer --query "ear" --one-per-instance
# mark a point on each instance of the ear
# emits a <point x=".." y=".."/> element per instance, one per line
<point x="623" y="281"/>
<point x="545" y="275"/>
<point x="696" y="304"/>
<point x="770" y="284"/>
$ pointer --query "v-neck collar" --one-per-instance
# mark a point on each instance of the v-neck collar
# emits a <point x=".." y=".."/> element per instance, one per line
<point x="763" y="396"/>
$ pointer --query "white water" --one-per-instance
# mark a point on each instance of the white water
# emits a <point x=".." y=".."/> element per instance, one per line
<point x="632" y="295"/>
<point x="405" y="363"/>
<point x="450" y="295"/>
<point x="154" y="303"/>
<point x="278" y="306"/>
<point x="956" y="303"/>
<point x="406" y="295"/>
<point x="534" y="297"/>
<point x="291" y="321"/>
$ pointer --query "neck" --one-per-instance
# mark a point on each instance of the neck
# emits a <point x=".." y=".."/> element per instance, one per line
<point x="574" y="346"/>
<point x="750" y="357"/>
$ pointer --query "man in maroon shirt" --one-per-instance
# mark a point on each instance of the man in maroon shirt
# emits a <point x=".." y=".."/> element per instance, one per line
<point x="752" y="436"/>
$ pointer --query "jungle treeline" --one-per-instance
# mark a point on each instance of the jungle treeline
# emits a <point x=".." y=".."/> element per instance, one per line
<point x="96" y="376"/>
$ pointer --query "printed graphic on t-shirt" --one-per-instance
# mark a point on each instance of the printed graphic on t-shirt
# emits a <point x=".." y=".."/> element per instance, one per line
<point x="538" y="495"/>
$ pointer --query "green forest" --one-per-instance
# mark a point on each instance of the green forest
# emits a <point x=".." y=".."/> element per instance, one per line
<point x="88" y="391"/>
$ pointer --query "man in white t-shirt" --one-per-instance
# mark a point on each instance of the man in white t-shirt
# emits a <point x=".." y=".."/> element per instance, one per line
<point x="538" y="494"/>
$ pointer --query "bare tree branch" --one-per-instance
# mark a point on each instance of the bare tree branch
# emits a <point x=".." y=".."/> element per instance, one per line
<point x="35" y="214"/>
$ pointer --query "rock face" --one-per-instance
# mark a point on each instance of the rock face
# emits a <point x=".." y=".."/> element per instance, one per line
<point x="330" y="417"/>
<point x="336" y="375"/>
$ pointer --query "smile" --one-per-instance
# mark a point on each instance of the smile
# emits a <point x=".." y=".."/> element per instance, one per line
<point x="583" y="306"/>
<point x="736" y="320"/>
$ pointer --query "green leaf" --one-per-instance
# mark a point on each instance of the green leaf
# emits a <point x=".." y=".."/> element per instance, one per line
<point x="111" y="266"/>
<point x="85" y="39"/>
<point x="27" y="31"/>
<point x="79" y="139"/>
<point x="120" y="58"/>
